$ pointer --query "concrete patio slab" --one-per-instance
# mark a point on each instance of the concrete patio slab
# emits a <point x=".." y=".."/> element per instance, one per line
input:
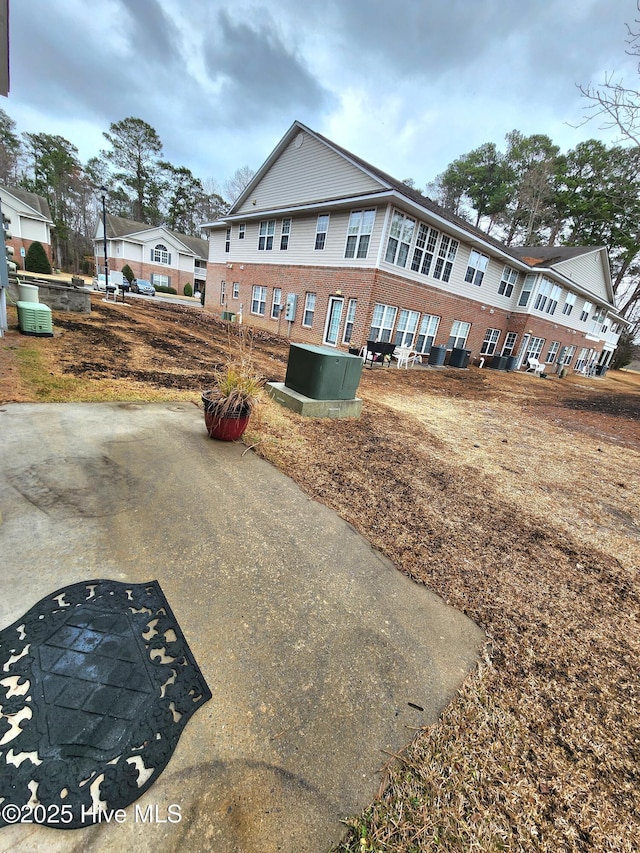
<point x="319" y="654"/>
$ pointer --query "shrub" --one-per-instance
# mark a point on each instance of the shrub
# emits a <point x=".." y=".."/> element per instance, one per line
<point x="36" y="259"/>
<point x="160" y="288"/>
<point x="188" y="290"/>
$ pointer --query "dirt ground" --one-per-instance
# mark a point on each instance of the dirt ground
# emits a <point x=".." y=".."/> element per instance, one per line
<point x="517" y="499"/>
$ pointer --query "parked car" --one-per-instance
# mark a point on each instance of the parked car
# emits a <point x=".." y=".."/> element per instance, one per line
<point x="141" y="285"/>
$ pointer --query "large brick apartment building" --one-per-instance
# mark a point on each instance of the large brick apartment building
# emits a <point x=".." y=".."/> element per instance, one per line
<point x="351" y="254"/>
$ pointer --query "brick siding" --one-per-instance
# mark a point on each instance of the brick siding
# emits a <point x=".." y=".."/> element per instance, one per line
<point x="369" y="286"/>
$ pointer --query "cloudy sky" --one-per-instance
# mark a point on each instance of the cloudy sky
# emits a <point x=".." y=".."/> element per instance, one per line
<point x="408" y="85"/>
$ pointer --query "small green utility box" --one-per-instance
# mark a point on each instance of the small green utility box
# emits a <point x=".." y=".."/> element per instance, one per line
<point x="34" y="318"/>
<point x="322" y="373"/>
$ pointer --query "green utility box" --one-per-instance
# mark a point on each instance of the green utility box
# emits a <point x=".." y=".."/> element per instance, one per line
<point x="322" y="373"/>
<point x="34" y="318"/>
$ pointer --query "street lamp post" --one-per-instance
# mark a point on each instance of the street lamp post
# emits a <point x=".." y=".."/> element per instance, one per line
<point x="103" y="195"/>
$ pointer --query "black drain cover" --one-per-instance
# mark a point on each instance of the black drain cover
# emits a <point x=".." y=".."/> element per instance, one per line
<point x="96" y="685"/>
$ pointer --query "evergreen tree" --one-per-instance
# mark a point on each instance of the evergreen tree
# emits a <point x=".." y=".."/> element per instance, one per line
<point x="135" y="152"/>
<point x="36" y="259"/>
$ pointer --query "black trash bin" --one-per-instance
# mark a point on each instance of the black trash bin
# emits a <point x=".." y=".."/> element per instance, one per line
<point x="512" y="362"/>
<point x="459" y="357"/>
<point x="498" y="362"/>
<point x="437" y="354"/>
<point x="601" y="370"/>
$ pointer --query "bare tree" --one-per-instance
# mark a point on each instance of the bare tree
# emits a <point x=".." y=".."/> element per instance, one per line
<point x="618" y="106"/>
<point x="237" y="183"/>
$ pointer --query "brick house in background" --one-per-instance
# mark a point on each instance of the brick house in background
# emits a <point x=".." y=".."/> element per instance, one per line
<point x="29" y="222"/>
<point x="166" y="258"/>
<point x="357" y="255"/>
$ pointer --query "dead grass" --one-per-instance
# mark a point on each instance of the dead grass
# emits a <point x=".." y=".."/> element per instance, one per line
<point x="516" y="499"/>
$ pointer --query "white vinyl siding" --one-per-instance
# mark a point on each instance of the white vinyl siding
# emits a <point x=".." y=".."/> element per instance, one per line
<point x="310" y="172"/>
<point x="587" y="268"/>
<point x="301" y="244"/>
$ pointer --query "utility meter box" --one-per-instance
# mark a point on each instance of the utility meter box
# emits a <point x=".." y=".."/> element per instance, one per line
<point x="290" y="307"/>
<point x="322" y="373"/>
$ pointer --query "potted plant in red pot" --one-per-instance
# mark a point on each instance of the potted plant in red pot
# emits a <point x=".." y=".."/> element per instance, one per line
<point x="230" y="403"/>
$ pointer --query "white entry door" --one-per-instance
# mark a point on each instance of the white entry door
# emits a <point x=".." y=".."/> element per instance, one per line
<point x="334" y="315"/>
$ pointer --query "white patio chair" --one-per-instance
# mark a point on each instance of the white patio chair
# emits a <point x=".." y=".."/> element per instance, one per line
<point x="534" y="366"/>
<point x="406" y="355"/>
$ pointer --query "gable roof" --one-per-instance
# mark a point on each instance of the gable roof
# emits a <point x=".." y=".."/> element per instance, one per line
<point x="38" y="204"/>
<point x="119" y="228"/>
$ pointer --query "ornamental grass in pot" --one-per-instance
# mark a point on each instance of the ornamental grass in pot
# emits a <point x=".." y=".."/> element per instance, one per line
<point x="230" y="403"/>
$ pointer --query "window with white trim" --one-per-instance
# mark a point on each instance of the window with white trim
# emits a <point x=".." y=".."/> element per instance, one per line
<point x="547" y="297"/>
<point x="359" y="233"/>
<point x="406" y="328"/>
<point x="159" y="280"/>
<point x="598" y="319"/>
<point x="309" y="309"/>
<point x="382" y="322"/>
<point x="400" y="237"/>
<point x="509" y="343"/>
<point x="425" y="248"/>
<point x="534" y="349"/>
<point x="242" y="230"/>
<point x="235" y="291"/>
<point x="227" y="240"/>
<point x="276" y="301"/>
<point x="566" y="355"/>
<point x="490" y="341"/>
<point x="223" y="292"/>
<point x="285" y="234"/>
<point x="446" y="257"/>
<point x="508" y="281"/>
<point x="582" y="359"/>
<point x="349" y="321"/>
<point x="553" y="352"/>
<point x="476" y="268"/>
<point x="459" y="334"/>
<point x="160" y="255"/>
<point x="569" y="302"/>
<point x="586" y="309"/>
<point x="265" y="235"/>
<point x="427" y="332"/>
<point x="322" y="228"/>
<point x="258" y="300"/>
<point x="527" y="287"/>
